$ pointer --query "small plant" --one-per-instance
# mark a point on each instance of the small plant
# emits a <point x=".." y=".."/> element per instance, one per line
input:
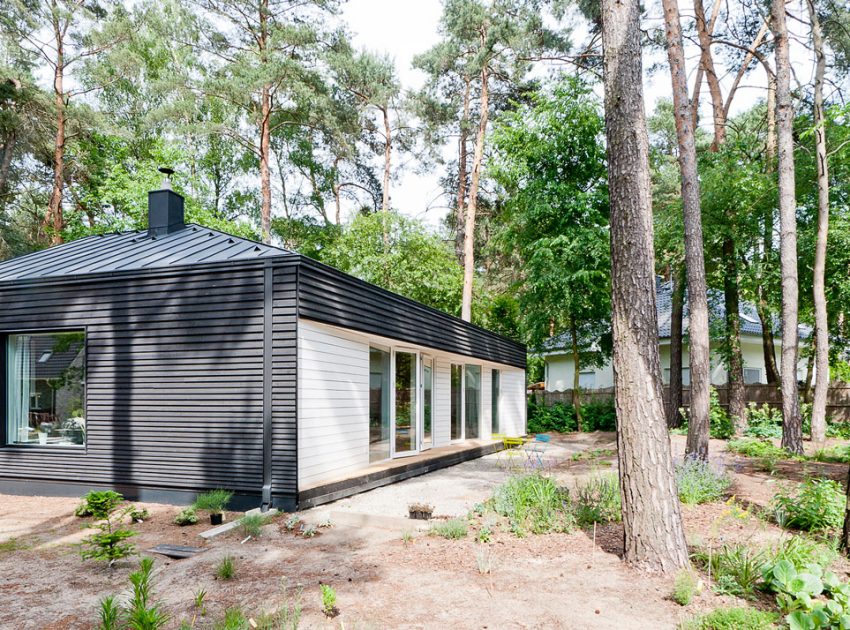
<point x="535" y="502"/>
<point x="839" y="454"/>
<point x="598" y="500"/>
<point x="453" y="529"/>
<point x="109" y="545"/>
<point x="816" y="506"/>
<point x="420" y="511"/>
<point x="326" y="523"/>
<point x="731" y="619"/>
<point x="736" y="569"/>
<point x="214" y="502"/>
<point x="140" y="612"/>
<point x="292" y="522"/>
<point x="700" y="482"/>
<point x="308" y="531"/>
<point x="751" y="447"/>
<point x="226" y="568"/>
<point x="187" y="516"/>
<point x="110" y="614"/>
<point x="763" y="422"/>
<point x="329" y="601"/>
<point x="138" y="515"/>
<point x="99" y="504"/>
<point x="484" y="535"/>
<point x="484" y="559"/>
<point x="685" y="587"/>
<point x="200" y="606"/>
<point x="252" y="525"/>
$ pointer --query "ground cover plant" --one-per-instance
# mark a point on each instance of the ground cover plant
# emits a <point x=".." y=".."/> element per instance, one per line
<point x="453" y="529"/>
<point x="597" y="500"/>
<point x="699" y="481"/>
<point x="737" y="618"/>
<point x="533" y="502"/>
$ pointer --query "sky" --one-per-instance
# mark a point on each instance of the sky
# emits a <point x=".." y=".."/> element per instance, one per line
<point x="404" y="28"/>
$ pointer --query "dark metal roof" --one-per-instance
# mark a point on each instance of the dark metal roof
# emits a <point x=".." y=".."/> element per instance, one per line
<point x="133" y="251"/>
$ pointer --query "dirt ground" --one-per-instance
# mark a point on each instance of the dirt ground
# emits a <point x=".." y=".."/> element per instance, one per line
<point x="382" y="581"/>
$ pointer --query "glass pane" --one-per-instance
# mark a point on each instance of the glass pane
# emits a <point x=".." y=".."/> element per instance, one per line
<point x="495" y="388"/>
<point x="473" y="401"/>
<point x="405" y="402"/>
<point x="379" y="405"/>
<point x="427" y="389"/>
<point x="457" y="401"/>
<point x="46" y="389"/>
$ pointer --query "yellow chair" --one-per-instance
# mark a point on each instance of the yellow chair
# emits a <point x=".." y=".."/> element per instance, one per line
<point x="513" y="455"/>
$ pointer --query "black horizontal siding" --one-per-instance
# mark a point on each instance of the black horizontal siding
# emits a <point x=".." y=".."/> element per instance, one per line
<point x="284" y="382"/>
<point x="174" y="394"/>
<point x="332" y="297"/>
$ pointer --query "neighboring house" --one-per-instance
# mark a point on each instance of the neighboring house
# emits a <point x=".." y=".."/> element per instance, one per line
<point x="559" y="369"/>
<point x="173" y="360"/>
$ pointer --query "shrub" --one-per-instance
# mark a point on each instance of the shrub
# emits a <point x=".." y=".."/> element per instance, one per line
<point x="140" y="612"/>
<point x="533" y="501"/>
<point x="720" y="423"/>
<point x="558" y="417"/>
<point x="736" y="569"/>
<point x="839" y="454"/>
<point x="252" y="525"/>
<point x="763" y="422"/>
<point x="817" y="505"/>
<point x="600" y="416"/>
<point x="225" y="569"/>
<point x="598" y="500"/>
<point x="99" y="503"/>
<point x="329" y="600"/>
<point x="109" y="544"/>
<point x="700" y="482"/>
<point x="751" y="447"/>
<point x="731" y="619"/>
<point x="452" y="529"/>
<point x="685" y="587"/>
<point x="213" y="500"/>
<point x="837" y="429"/>
<point x="803" y="552"/>
<point x="187" y="516"/>
<point x="137" y="514"/>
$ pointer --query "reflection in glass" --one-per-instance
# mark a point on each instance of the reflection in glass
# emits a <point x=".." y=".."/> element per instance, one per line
<point x="405" y="402"/>
<point x="457" y="401"/>
<point x="427" y="389"/>
<point x="495" y="389"/>
<point x="473" y="401"/>
<point x="379" y="405"/>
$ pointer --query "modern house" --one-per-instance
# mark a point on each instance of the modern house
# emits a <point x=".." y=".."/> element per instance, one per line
<point x="177" y="359"/>
<point x="559" y="370"/>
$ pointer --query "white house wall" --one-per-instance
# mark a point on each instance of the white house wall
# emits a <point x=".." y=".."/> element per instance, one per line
<point x="333" y="399"/>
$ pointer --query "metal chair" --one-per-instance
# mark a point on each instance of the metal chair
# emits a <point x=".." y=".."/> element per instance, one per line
<point x="535" y="452"/>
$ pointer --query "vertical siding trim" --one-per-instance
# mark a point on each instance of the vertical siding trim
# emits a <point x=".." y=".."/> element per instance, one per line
<point x="268" y="349"/>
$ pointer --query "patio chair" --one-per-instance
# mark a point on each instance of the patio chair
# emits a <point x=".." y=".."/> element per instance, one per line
<point x="535" y="452"/>
<point x="513" y="455"/>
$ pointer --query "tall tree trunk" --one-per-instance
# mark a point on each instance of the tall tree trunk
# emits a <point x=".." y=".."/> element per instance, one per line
<point x="845" y="532"/>
<point x="472" y="205"/>
<point x="768" y="344"/>
<point x="652" y="522"/>
<point x="265" y="173"/>
<point x="6" y="162"/>
<point x="698" y="350"/>
<point x="792" y="431"/>
<point x="735" y="364"/>
<point x="461" y="172"/>
<point x="53" y="220"/>
<point x="707" y="62"/>
<point x="768" y="341"/>
<point x="576" y="366"/>
<point x="388" y="147"/>
<point x="821" y="330"/>
<point x="677" y="311"/>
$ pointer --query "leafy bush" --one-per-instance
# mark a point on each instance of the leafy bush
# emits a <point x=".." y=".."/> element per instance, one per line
<point x="731" y="619"/>
<point x="816" y="506"/>
<point x="685" y="587"/>
<point x="811" y="598"/>
<point x="600" y="416"/>
<point x="837" y="429"/>
<point x="561" y="417"/>
<point x="213" y="500"/>
<point x="252" y="525"/>
<point x="535" y="502"/>
<point x="751" y="447"/>
<point x="598" y="500"/>
<point x="700" y="482"/>
<point x="803" y="552"/>
<point x="329" y="600"/>
<point x="719" y="422"/>
<point x="109" y="544"/>
<point x="187" y="516"/>
<point x="137" y="514"/>
<point x="226" y="569"/>
<point x="140" y="612"/>
<point x="838" y="454"/>
<point x="452" y="529"/>
<point x="99" y="503"/>
<point x="737" y="569"/>
<point x="763" y="422"/>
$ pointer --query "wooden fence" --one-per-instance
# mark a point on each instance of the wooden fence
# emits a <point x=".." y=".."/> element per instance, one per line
<point x="838" y="398"/>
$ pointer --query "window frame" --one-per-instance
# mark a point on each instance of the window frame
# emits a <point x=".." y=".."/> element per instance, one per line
<point x="4" y="390"/>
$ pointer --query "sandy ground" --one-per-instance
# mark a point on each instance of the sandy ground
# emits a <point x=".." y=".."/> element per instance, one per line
<point x="552" y="581"/>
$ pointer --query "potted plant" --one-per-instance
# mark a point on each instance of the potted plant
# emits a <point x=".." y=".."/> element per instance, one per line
<point x="41" y="432"/>
<point x="214" y="502"/>
<point x="420" y="511"/>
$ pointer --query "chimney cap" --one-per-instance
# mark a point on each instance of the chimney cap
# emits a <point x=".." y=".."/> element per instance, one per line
<point x="165" y="170"/>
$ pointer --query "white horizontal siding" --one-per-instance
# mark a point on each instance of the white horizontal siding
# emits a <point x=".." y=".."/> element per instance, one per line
<point x="512" y="406"/>
<point x="333" y="403"/>
<point x="442" y="402"/>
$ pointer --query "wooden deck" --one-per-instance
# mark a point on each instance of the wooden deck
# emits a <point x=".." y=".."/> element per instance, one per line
<point x="391" y="471"/>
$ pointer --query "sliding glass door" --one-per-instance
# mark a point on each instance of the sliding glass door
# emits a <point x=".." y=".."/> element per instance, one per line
<point x="406" y="408"/>
<point x="456" y="402"/>
<point x="379" y="405"/>
<point x="427" y="401"/>
<point x="472" y="409"/>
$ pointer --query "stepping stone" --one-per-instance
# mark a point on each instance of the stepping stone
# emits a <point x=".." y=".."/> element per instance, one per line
<point x="177" y="551"/>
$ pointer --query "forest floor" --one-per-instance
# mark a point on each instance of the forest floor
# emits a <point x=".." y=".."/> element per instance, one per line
<point x="383" y="578"/>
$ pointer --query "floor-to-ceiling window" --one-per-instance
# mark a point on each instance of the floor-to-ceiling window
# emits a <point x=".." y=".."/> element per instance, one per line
<point x="472" y="391"/>
<point x="427" y="400"/>
<point x="495" y="390"/>
<point x="457" y="402"/>
<point x="379" y="404"/>
<point x="405" y="402"/>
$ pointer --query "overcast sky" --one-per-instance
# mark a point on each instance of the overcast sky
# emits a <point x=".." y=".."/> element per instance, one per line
<point x="404" y="28"/>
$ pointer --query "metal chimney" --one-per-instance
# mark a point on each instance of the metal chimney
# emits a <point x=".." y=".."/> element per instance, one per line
<point x="165" y="208"/>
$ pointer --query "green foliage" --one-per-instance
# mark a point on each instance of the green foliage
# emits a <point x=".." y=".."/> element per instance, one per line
<point x="560" y="417"/>
<point x="731" y="619"/>
<point x="226" y="569"/>
<point x="399" y="254"/>
<point x="837" y="429"/>
<point x="110" y="614"/>
<point x="763" y="422"/>
<point x="700" y="482"/>
<point x="811" y="597"/>
<point x="109" y="544"/>
<point x="187" y="516"/>
<point x="684" y="587"/>
<point x="751" y="447"/>
<point x="328" y="600"/>
<point x="598" y="500"/>
<point x="838" y="454"/>
<point x="137" y="514"/>
<point x="453" y="529"/>
<point x="99" y="504"/>
<point x="817" y="505"/>
<point x="252" y="525"/>
<point x="141" y="611"/>
<point x="720" y="423"/>
<point x="533" y="502"/>
<point x="213" y="500"/>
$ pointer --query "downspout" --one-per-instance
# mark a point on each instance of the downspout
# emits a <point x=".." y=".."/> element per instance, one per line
<point x="268" y="329"/>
